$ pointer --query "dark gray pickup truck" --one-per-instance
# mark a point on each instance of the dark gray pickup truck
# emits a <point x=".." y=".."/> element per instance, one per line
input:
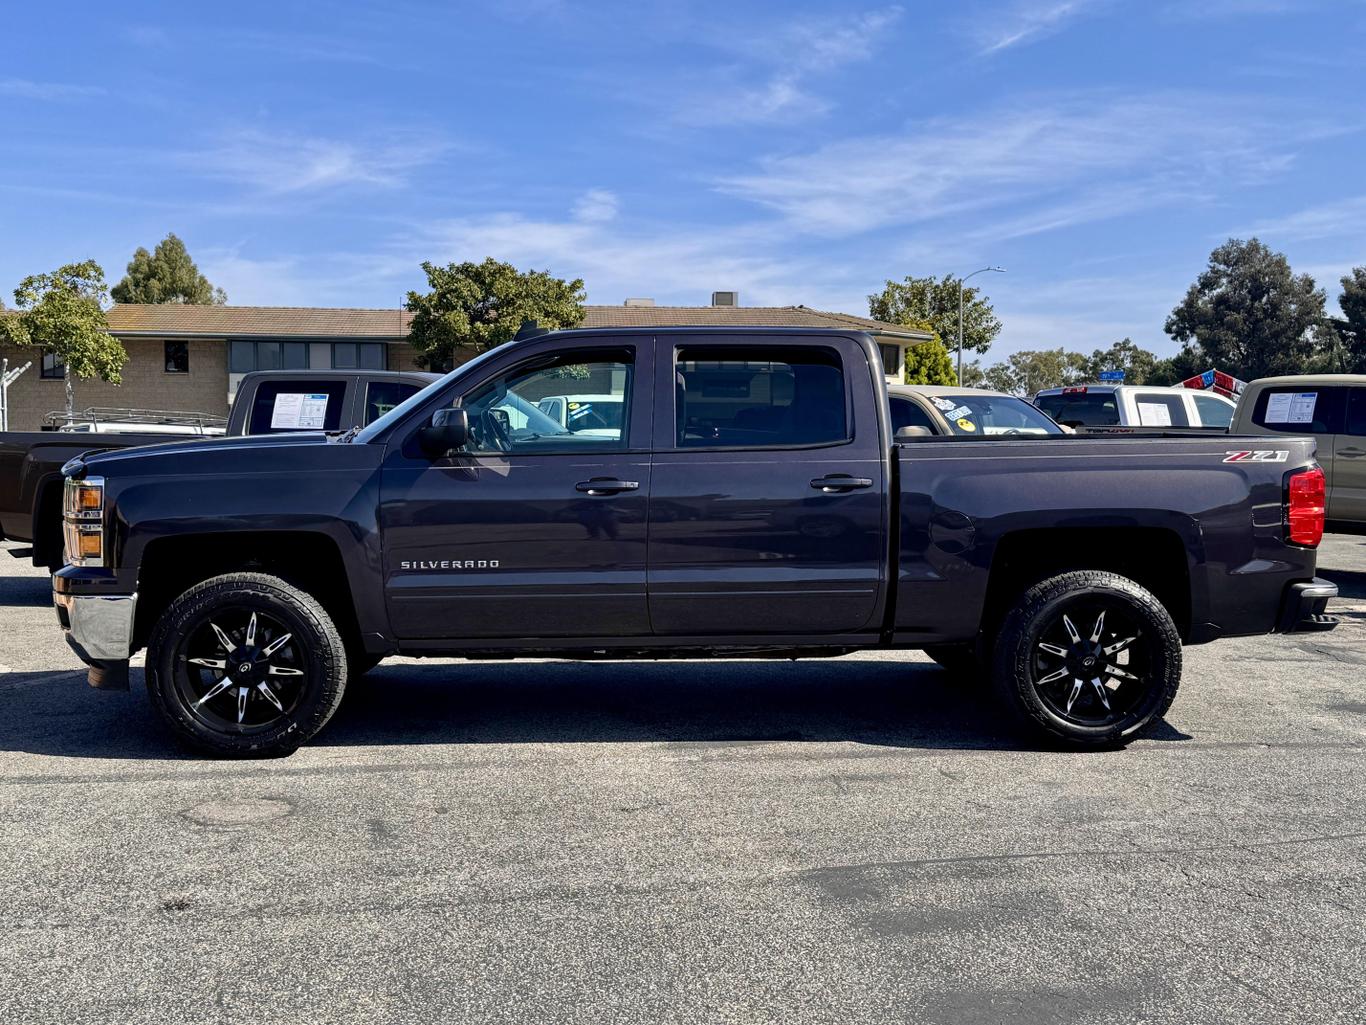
<point x="696" y="494"/>
<point x="31" y="462"/>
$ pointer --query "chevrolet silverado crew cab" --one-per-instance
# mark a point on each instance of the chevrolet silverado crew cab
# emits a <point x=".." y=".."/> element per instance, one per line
<point x="754" y="500"/>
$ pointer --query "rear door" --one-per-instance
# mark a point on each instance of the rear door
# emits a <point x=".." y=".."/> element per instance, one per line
<point x="1348" y="498"/>
<point x="768" y="491"/>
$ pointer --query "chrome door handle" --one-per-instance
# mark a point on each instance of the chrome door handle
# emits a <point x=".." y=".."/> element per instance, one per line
<point x="837" y="482"/>
<point x="606" y="486"/>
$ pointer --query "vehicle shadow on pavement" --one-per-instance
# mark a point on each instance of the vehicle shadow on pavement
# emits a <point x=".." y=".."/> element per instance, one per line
<point x="883" y="703"/>
<point x="1351" y="583"/>
<point x="25" y="591"/>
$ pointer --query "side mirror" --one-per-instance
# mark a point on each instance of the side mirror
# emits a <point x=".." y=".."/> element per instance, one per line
<point x="450" y="429"/>
<point x="906" y="433"/>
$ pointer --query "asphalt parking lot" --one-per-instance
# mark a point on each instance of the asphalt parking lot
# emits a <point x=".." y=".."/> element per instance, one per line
<point x="858" y="839"/>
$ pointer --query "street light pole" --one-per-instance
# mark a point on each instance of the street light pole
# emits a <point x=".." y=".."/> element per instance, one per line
<point x="996" y="270"/>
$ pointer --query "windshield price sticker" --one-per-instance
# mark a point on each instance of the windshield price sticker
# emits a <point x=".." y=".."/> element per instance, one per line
<point x="299" y="411"/>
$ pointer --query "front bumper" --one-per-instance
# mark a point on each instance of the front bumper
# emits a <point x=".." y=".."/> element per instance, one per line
<point x="99" y="629"/>
<point x="1304" y="607"/>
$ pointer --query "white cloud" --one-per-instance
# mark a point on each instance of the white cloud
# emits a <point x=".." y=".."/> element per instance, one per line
<point x="51" y="91"/>
<point x="1146" y="150"/>
<point x="795" y="53"/>
<point x="278" y="164"/>
<point x="596" y="206"/>
<point x="1342" y="219"/>
<point x="1029" y="22"/>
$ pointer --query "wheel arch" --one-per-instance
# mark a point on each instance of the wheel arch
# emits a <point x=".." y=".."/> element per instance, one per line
<point x="310" y="560"/>
<point x="1156" y="558"/>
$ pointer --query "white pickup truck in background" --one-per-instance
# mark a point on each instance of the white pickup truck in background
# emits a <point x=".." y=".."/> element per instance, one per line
<point x="1135" y="405"/>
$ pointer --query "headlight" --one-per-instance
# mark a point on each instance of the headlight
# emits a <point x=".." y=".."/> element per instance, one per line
<point x="83" y="521"/>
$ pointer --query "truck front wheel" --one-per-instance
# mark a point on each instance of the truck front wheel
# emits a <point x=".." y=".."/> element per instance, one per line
<point x="1088" y="657"/>
<point x="246" y="664"/>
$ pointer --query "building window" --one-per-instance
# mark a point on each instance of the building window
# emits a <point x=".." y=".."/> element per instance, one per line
<point x="358" y="356"/>
<point x="244" y="357"/>
<point x="177" y="357"/>
<point x="53" y="367"/>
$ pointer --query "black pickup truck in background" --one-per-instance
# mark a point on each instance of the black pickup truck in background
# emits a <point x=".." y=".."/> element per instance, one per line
<point x="266" y="402"/>
<point x="748" y="495"/>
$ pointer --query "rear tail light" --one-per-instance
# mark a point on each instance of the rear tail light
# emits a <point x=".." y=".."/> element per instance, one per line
<point x="1304" y="512"/>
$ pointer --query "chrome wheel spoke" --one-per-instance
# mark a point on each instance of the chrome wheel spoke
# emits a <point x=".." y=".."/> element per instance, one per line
<point x="1118" y="646"/>
<point x="1071" y="630"/>
<point x="1072" y="698"/>
<point x="1053" y="649"/>
<point x="1100" y="693"/>
<point x="251" y="631"/>
<point x="210" y="663"/>
<point x="217" y="689"/>
<point x="1120" y="673"/>
<point x="1100" y="628"/>
<point x="270" y="695"/>
<point x="241" y="703"/>
<point x="275" y="645"/>
<point x="283" y="671"/>
<point x="223" y="638"/>
<point x="1051" y="677"/>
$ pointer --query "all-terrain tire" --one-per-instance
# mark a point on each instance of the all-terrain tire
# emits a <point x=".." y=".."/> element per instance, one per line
<point x="315" y="649"/>
<point x="1053" y="672"/>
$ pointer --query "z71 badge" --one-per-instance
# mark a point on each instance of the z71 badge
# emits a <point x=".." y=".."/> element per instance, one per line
<point x="1258" y="455"/>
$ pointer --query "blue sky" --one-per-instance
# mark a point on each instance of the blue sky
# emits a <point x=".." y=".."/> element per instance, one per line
<point x="315" y="154"/>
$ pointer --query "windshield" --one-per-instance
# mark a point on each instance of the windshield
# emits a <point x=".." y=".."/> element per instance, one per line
<point x="991" y="415"/>
<point x="401" y="411"/>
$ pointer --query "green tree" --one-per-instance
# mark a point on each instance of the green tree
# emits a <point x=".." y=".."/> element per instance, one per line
<point x="934" y="302"/>
<point x="1024" y="373"/>
<point x="483" y="304"/>
<point x="63" y="313"/>
<point x="1351" y="329"/>
<point x="1137" y="363"/>
<point x="1249" y="315"/>
<point x="166" y="275"/>
<point x="1175" y="369"/>
<point x="929" y="362"/>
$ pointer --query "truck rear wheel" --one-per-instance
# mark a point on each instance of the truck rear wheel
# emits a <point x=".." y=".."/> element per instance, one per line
<point x="246" y="664"/>
<point x="1088" y="657"/>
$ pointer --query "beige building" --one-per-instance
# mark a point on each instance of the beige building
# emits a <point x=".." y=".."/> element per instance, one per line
<point x="191" y="357"/>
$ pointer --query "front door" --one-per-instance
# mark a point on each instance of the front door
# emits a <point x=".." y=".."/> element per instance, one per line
<point x="535" y="529"/>
<point x="1348" y="498"/>
<point x="767" y="496"/>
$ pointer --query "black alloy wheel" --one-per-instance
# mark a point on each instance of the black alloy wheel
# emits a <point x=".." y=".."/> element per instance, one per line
<point x="1089" y="657"/>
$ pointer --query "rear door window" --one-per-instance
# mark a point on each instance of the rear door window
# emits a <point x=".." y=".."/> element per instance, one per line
<point x="299" y="405"/>
<point x="762" y="397"/>
<point x="1301" y="409"/>
<point x="1157" y="409"/>
<point x="1356" y="413"/>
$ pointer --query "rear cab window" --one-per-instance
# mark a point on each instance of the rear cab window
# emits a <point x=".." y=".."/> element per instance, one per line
<point x="762" y="397"/>
<point x="299" y="405"/>
<point x="382" y="396"/>
<point x="1082" y="408"/>
<point x="907" y="412"/>
<point x="1301" y="409"/>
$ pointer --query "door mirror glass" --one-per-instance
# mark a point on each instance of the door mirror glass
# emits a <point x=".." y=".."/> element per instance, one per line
<point x="449" y="430"/>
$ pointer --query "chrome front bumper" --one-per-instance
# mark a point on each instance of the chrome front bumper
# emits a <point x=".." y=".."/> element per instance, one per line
<point x="99" y="628"/>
